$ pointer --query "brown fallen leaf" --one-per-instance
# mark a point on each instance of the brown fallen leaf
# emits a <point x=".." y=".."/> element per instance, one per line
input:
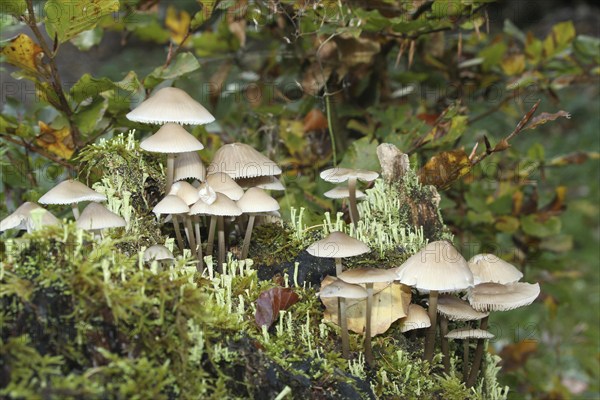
<point x="444" y="168"/>
<point x="270" y="302"/>
<point x="24" y="53"/>
<point x="390" y="303"/>
<point x="59" y="142"/>
<point x="315" y="121"/>
<point x="516" y="355"/>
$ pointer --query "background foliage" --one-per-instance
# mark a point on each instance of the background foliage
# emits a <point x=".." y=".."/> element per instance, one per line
<point x="314" y="83"/>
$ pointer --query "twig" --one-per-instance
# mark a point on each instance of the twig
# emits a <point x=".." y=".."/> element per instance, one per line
<point x="39" y="151"/>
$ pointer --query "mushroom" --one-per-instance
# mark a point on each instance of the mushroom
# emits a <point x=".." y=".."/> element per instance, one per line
<point x="343" y="290"/>
<point x="240" y="160"/>
<point x="416" y="318"/>
<point x="253" y="202"/>
<point x="172" y="205"/>
<point x="159" y="253"/>
<point x="261" y="182"/>
<point x="188" y="165"/>
<point x="465" y="334"/>
<point x="490" y="268"/>
<point x="25" y="218"/>
<point x="342" y="192"/>
<point x="454" y="309"/>
<point x="95" y="217"/>
<point x="71" y="192"/>
<point x="438" y="267"/>
<point x="491" y="296"/>
<point x="170" y="104"/>
<point x="339" y="175"/>
<point x="368" y="276"/>
<point x="222" y="206"/>
<point x="171" y="139"/>
<point x="223" y="183"/>
<point x="337" y="245"/>
<point x="189" y="194"/>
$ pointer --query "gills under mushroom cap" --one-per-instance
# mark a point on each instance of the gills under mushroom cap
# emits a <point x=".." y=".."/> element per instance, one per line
<point x="339" y="175"/>
<point x="499" y="297"/>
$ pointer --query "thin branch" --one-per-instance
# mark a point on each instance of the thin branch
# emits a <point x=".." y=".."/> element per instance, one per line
<point x="38" y="150"/>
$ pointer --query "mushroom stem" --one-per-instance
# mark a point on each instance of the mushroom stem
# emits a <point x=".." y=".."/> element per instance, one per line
<point x="221" y="242"/>
<point x="430" y="337"/>
<point x="248" y="236"/>
<point x="338" y="266"/>
<point x="465" y="367"/>
<point x="75" y="209"/>
<point x="368" y="348"/>
<point x="177" y="232"/>
<point x="200" y="265"/>
<point x="189" y="231"/>
<point x="170" y="171"/>
<point x="343" y="322"/>
<point x="478" y="355"/>
<point x="211" y="235"/>
<point x="445" y="351"/>
<point x="354" y="217"/>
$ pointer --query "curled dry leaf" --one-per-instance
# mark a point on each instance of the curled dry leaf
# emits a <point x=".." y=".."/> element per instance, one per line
<point x="444" y="168"/>
<point x="546" y="117"/>
<point x="270" y="302"/>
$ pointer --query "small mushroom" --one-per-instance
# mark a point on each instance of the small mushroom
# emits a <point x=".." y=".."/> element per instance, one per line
<point x="189" y="194"/>
<point x="438" y="267"/>
<point x="240" y="160"/>
<point x="490" y="268"/>
<point x="339" y="175"/>
<point x="159" y="253"/>
<point x="24" y="218"/>
<point x="465" y="334"/>
<point x="188" y="166"/>
<point x="95" y="217"/>
<point x="253" y="202"/>
<point x="223" y="183"/>
<point x="172" y="205"/>
<point x="343" y="290"/>
<point x="261" y="182"/>
<point x="368" y="276"/>
<point x="337" y="245"/>
<point x="71" y="192"/>
<point x="416" y="318"/>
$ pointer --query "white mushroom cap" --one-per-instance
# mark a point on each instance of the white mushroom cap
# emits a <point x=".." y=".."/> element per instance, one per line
<point x="95" y="216"/>
<point x="417" y="318"/>
<point x="223" y="183"/>
<point x="69" y="192"/>
<point x="171" y="138"/>
<point x="490" y="268"/>
<point x="158" y="252"/>
<point x="222" y="206"/>
<point x="456" y="309"/>
<point x="339" y="175"/>
<point x="185" y="191"/>
<point x="337" y="245"/>
<point x="261" y="182"/>
<point x="207" y="194"/>
<point x="23" y="219"/>
<point x="499" y="297"/>
<point x="240" y="160"/>
<point x="256" y="200"/>
<point x="188" y="165"/>
<point x="438" y="266"/>
<point x="367" y="275"/>
<point x="171" y="204"/>
<point x="339" y="288"/>
<point x="342" y="192"/>
<point x="469" y="333"/>
<point x="170" y="104"/>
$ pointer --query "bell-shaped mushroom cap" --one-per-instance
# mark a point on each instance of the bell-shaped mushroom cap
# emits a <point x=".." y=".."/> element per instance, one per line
<point x="240" y="160"/>
<point x="438" y="266"/>
<point x="171" y="138"/>
<point x="171" y="204"/>
<point x="22" y="218"/>
<point x="339" y="288"/>
<point x="456" y="309"/>
<point x="256" y="200"/>
<point x="339" y="175"/>
<point x="342" y="192"/>
<point x="222" y="206"/>
<point x="95" y="216"/>
<point x="157" y="252"/>
<point x="417" y="318"/>
<point x="499" y="297"/>
<point x="261" y="182"/>
<point x="469" y="333"/>
<point x="69" y="192"/>
<point x="170" y="104"/>
<point x="337" y="245"/>
<point x="223" y="183"/>
<point x="367" y="275"/>
<point x="207" y="194"/>
<point x="185" y="191"/>
<point x="489" y="268"/>
<point x="188" y="165"/>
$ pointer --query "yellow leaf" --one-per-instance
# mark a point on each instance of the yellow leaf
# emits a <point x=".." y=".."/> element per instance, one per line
<point x="178" y="24"/>
<point x="444" y="168"/>
<point x="24" y="53"/>
<point x="59" y="142"/>
<point x="514" y="64"/>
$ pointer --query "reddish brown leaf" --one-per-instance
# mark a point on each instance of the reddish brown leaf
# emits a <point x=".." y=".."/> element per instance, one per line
<point x="272" y="301"/>
<point x="314" y="121"/>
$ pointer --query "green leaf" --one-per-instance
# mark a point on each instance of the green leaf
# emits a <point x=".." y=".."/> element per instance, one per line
<point x="66" y="18"/>
<point x="182" y="64"/>
<point x="88" y="117"/>
<point x="88" y="86"/>
<point x="512" y="30"/>
<point x="588" y="47"/>
<point x="13" y="7"/>
<point x="492" y="55"/>
<point x="535" y="226"/>
<point x="88" y="39"/>
<point x="372" y="20"/>
<point x="362" y="154"/>
<point x="507" y="224"/>
<point x="485" y="217"/>
<point x="559" y="39"/>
